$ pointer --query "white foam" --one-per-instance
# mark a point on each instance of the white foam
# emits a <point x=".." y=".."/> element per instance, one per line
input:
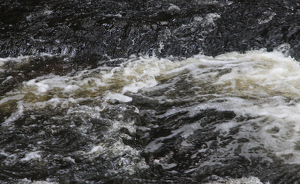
<point x="28" y="181"/>
<point x="119" y="97"/>
<point x="70" y="88"/>
<point x="22" y="59"/>
<point x="32" y="155"/>
<point x="243" y="180"/>
<point x="268" y="16"/>
<point x="211" y="17"/>
<point x="129" y="158"/>
<point x="258" y="83"/>
<point x="173" y="7"/>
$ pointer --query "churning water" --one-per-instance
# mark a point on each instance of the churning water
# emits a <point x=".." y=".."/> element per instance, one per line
<point x="151" y="119"/>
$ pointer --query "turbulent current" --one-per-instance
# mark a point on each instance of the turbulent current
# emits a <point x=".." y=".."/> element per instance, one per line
<point x="137" y="92"/>
<point x="154" y="120"/>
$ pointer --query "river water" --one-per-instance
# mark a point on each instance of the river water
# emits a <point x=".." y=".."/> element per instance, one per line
<point x="97" y="91"/>
<point x="153" y="120"/>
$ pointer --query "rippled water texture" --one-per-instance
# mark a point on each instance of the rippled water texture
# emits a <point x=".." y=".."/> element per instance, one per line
<point x="155" y="120"/>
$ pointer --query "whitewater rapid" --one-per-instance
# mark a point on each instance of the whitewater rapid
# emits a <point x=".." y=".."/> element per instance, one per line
<point x="263" y="86"/>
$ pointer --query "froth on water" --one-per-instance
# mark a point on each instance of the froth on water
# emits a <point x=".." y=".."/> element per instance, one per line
<point x="146" y="102"/>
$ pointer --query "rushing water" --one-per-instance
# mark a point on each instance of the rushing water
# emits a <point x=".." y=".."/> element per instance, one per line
<point x="152" y="120"/>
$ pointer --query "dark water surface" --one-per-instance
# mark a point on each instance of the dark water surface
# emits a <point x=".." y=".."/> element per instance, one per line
<point x="149" y="91"/>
